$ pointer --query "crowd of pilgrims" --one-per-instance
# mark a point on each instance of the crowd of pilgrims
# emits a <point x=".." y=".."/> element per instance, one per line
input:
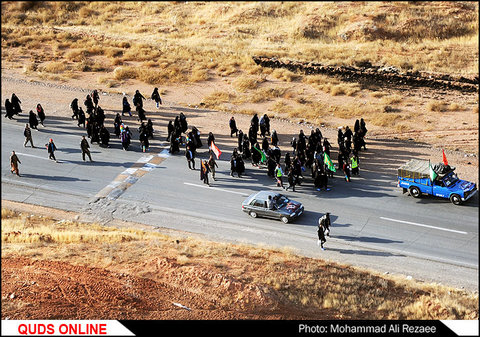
<point x="96" y="129"/>
<point x="259" y="144"/>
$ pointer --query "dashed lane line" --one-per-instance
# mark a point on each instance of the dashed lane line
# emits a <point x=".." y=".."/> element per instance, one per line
<point x="426" y="226"/>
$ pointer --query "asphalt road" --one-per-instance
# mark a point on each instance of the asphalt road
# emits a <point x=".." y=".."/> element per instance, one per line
<point x="374" y="225"/>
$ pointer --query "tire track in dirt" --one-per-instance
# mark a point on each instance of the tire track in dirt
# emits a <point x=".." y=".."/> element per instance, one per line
<point x="60" y="290"/>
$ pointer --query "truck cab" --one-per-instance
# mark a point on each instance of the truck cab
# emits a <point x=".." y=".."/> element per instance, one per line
<point x="414" y="177"/>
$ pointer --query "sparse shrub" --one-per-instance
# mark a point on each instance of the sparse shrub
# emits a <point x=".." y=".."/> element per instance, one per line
<point x="437" y="106"/>
<point x="243" y="84"/>
<point x="53" y="67"/>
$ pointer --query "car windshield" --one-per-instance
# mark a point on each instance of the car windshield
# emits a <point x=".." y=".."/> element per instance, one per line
<point x="450" y="179"/>
<point x="281" y="201"/>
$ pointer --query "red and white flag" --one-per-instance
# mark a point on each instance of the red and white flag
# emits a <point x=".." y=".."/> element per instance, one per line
<point x="216" y="150"/>
<point x="445" y="161"/>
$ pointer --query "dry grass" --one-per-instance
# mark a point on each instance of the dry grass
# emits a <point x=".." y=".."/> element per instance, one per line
<point x="189" y="42"/>
<point x="310" y="283"/>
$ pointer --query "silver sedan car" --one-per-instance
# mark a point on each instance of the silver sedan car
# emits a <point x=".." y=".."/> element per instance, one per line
<point x="282" y="207"/>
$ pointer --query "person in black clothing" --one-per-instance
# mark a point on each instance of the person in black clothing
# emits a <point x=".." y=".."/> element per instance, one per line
<point x="16" y="104"/>
<point x="233" y="127"/>
<point x="356" y="127"/>
<point x="321" y="235"/>
<point x="141" y="113"/>
<point x="196" y="137"/>
<point x="267" y="124"/>
<point x="210" y="139"/>
<point x="95" y="133"/>
<point x="291" y="180"/>
<point x="174" y="143"/>
<point x="340" y="137"/>
<point x="95" y="97"/>
<point x="150" y="128"/>
<point x="183" y="123"/>
<point x="240" y="141"/>
<point x="138" y="99"/>
<point x="274" y="138"/>
<point x="170" y="129"/>
<point x="265" y="144"/>
<point x="116" y="125"/>
<point x="126" y="106"/>
<point x="32" y="120"/>
<point x="9" y="110"/>
<point x="143" y="137"/>
<point x="263" y="127"/>
<point x="252" y="134"/>
<point x="104" y="136"/>
<point x="256" y="156"/>
<point x="89" y="104"/>
<point x="81" y="117"/>
<point x="254" y="122"/>
<point x="246" y="147"/>
<point x="156" y="97"/>
<point x="288" y="162"/>
<point x="126" y="138"/>
<point x="74" y="107"/>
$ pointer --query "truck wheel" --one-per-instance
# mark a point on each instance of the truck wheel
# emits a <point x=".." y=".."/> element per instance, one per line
<point x="415" y="192"/>
<point x="284" y="219"/>
<point x="253" y="214"/>
<point x="455" y="199"/>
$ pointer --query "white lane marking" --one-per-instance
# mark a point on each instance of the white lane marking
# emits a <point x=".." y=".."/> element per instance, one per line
<point x="422" y="225"/>
<point x="217" y="188"/>
<point x="31" y="155"/>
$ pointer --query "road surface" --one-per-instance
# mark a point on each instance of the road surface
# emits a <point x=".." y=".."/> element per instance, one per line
<point x="374" y="225"/>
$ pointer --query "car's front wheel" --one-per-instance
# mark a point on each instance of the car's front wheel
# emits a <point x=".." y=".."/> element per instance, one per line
<point x="455" y="199"/>
<point x="253" y="214"/>
<point x="284" y="219"/>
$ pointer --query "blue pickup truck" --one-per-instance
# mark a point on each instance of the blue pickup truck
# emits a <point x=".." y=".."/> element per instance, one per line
<point x="415" y="177"/>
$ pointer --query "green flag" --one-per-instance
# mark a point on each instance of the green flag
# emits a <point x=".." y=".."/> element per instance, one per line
<point x="264" y="157"/>
<point x="328" y="162"/>
<point x="433" y="174"/>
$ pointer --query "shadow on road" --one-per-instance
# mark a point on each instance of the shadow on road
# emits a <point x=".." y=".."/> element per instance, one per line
<point x="52" y="177"/>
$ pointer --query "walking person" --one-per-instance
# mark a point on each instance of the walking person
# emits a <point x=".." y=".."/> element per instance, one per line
<point x="204" y="172"/>
<point x="321" y="234"/>
<point x="16" y="104"/>
<point x="354" y="160"/>
<point x="325" y="222"/>
<point x="85" y="148"/>
<point x="346" y="171"/>
<point x="291" y="180"/>
<point x="233" y="127"/>
<point x="28" y="136"/>
<point x="74" y="107"/>
<point x="279" y="175"/>
<point x="189" y="154"/>
<point x="32" y="120"/>
<point x="156" y="97"/>
<point x="137" y="99"/>
<point x="126" y="106"/>
<point x="40" y="113"/>
<point x="212" y="164"/>
<point x="9" y="109"/>
<point x="51" y="148"/>
<point x="14" y="161"/>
